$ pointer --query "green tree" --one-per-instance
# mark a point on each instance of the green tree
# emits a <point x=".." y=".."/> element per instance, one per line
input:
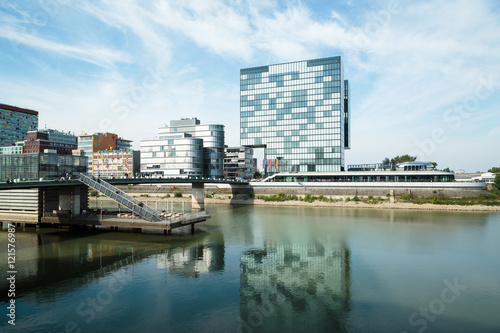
<point x="446" y="170"/>
<point x="496" y="182"/>
<point x="386" y="163"/>
<point x="494" y="170"/>
<point x="402" y="159"/>
<point x="434" y="163"/>
<point x="257" y="175"/>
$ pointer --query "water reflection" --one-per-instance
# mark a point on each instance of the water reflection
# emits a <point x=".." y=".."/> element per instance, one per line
<point x="190" y="262"/>
<point x="50" y="258"/>
<point x="295" y="287"/>
<point x="263" y="269"/>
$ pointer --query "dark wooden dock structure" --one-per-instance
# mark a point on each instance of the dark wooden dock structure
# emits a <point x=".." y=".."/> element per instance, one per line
<point x="125" y="224"/>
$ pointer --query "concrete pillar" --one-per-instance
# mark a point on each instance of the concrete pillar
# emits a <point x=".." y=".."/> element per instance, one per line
<point x="76" y="201"/>
<point x="69" y="199"/>
<point x="391" y="196"/>
<point x="198" y="196"/>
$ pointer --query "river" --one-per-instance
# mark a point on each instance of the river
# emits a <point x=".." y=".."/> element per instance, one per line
<point x="264" y="269"/>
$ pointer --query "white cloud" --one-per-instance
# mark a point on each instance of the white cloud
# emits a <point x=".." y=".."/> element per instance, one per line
<point x="94" y="54"/>
<point x="404" y="72"/>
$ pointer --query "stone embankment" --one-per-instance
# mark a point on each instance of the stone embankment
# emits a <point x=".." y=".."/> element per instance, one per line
<point x="352" y="204"/>
<point x="225" y="199"/>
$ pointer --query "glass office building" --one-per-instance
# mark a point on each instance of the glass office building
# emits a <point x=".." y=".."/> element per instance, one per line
<point x="41" y="165"/>
<point x="298" y="112"/>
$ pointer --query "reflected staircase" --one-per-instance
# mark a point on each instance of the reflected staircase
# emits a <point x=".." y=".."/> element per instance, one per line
<point x="148" y="213"/>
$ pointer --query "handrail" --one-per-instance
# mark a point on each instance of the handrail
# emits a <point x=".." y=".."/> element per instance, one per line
<point x="114" y="193"/>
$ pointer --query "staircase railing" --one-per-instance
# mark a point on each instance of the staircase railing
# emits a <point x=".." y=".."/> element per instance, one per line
<point x="303" y="186"/>
<point x="127" y="201"/>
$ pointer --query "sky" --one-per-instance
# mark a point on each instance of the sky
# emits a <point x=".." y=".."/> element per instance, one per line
<point x="424" y="75"/>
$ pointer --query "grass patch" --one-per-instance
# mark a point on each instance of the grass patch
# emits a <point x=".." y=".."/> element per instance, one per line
<point x="486" y="199"/>
<point x="278" y="197"/>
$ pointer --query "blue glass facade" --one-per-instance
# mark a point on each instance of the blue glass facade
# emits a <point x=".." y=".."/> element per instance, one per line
<point x="15" y="123"/>
<point x="298" y="112"/>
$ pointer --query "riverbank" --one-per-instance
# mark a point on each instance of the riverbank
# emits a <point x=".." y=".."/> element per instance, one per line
<point x="338" y="202"/>
<point x="352" y="204"/>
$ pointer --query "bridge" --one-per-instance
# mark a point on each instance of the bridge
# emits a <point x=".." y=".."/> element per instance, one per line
<point x="63" y="202"/>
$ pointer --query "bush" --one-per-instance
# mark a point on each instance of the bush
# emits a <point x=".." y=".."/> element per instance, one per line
<point x="308" y="197"/>
<point x="435" y="201"/>
<point x="92" y="193"/>
<point x="495" y="190"/>
<point x="178" y="195"/>
<point x="370" y="197"/>
<point x="356" y="198"/>
<point x="251" y="194"/>
<point x="347" y="199"/>
<point x="406" y="197"/>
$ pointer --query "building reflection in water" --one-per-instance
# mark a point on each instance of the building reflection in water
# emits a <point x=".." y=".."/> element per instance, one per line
<point x="193" y="260"/>
<point x="53" y="262"/>
<point x="295" y="287"/>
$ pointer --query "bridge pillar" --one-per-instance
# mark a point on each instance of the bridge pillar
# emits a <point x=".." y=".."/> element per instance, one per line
<point x="198" y="196"/>
<point x="69" y="199"/>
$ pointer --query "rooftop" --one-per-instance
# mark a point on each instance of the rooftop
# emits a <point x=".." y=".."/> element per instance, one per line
<point x="18" y="109"/>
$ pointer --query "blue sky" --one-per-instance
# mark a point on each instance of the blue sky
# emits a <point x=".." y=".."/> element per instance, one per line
<point x="424" y="75"/>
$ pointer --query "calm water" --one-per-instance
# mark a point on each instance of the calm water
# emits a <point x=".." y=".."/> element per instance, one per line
<point x="265" y="269"/>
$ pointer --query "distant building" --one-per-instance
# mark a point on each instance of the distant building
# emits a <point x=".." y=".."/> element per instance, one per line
<point x="186" y="148"/>
<point x="369" y="167"/>
<point x="47" y="165"/>
<point x="487" y="177"/>
<point x="238" y="162"/>
<point x="116" y="163"/>
<point x="254" y="165"/>
<point x="91" y="143"/>
<point x="17" y="149"/>
<point x="38" y="141"/>
<point x="15" y="123"/>
<point x="414" y="166"/>
<point x="174" y="155"/>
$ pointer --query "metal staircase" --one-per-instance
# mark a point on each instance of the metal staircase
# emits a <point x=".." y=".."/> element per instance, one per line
<point x="121" y="197"/>
<point x="303" y="186"/>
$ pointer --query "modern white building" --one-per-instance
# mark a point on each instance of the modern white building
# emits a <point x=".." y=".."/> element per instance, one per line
<point x="487" y="177"/>
<point x="17" y="149"/>
<point x="186" y="148"/>
<point x="238" y="162"/>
